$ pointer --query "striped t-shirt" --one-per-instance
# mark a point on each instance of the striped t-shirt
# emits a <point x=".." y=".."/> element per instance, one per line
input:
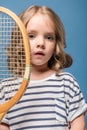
<point x="48" y="104"/>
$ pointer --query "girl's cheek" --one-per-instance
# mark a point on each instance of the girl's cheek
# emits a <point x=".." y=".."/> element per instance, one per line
<point x="32" y="42"/>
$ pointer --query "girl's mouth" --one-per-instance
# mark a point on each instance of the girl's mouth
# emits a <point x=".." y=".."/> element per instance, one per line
<point x="39" y="53"/>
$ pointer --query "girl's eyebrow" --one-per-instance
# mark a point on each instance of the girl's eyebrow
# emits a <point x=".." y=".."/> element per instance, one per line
<point x="32" y="31"/>
<point x="51" y="33"/>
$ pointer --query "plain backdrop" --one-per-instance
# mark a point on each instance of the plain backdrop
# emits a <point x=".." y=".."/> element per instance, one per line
<point x="73" y="14"/>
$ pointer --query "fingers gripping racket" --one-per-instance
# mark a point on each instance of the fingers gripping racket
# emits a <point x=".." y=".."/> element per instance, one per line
<point x="14" y="60"/>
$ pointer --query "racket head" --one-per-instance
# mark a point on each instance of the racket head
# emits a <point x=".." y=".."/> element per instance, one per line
<point x="14" y="57"/>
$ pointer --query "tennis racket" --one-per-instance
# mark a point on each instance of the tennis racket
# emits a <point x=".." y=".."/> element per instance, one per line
<point x="14" y="60"/>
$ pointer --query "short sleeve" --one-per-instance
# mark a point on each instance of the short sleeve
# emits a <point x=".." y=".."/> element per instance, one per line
<point x="77" y="104"/>
<point x="2" y="98"/>
<point x="5" y="120"/>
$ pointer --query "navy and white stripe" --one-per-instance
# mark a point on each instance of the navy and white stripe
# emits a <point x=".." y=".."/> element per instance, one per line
<point x="48" y="104"/>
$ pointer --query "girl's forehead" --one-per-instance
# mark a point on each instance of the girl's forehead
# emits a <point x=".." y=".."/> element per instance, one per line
<point x="42" y="18"/>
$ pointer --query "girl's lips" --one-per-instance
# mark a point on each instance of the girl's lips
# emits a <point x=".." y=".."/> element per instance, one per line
<point x="39" y="53"/>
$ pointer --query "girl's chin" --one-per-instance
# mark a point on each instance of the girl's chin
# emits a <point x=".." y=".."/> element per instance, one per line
<point x="43" y="65"/>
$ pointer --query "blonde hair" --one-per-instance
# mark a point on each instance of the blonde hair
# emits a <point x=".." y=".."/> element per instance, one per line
<point x="60" y="59"/>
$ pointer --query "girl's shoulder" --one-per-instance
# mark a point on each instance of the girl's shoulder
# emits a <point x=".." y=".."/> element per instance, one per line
<point x="69" y="82"/>
<point x="66" y="76"/>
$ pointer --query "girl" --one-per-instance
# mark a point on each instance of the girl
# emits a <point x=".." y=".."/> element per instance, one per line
<point x="53" y="99"/>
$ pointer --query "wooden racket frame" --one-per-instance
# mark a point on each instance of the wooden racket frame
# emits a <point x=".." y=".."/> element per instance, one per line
<point x="7" y="105"/>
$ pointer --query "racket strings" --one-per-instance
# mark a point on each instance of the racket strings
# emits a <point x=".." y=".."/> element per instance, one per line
<point x="11" y="47"/>
<point x="16" y="57"/>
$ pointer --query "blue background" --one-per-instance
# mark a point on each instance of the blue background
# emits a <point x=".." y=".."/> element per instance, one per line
<point x="73" y="14"/>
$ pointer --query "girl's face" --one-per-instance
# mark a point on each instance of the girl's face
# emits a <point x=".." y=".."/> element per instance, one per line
<point x="42" y="39"/>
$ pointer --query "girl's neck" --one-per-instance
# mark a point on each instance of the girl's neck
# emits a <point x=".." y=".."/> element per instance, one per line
<point x="38" y="73"/>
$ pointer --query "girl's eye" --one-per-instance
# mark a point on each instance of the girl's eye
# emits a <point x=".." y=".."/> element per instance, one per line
<point x="31" y="36"/>
<point x="51" y="38"/>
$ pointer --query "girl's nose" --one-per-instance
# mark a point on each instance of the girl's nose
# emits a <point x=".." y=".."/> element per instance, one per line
<point x="41" y="42"/>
